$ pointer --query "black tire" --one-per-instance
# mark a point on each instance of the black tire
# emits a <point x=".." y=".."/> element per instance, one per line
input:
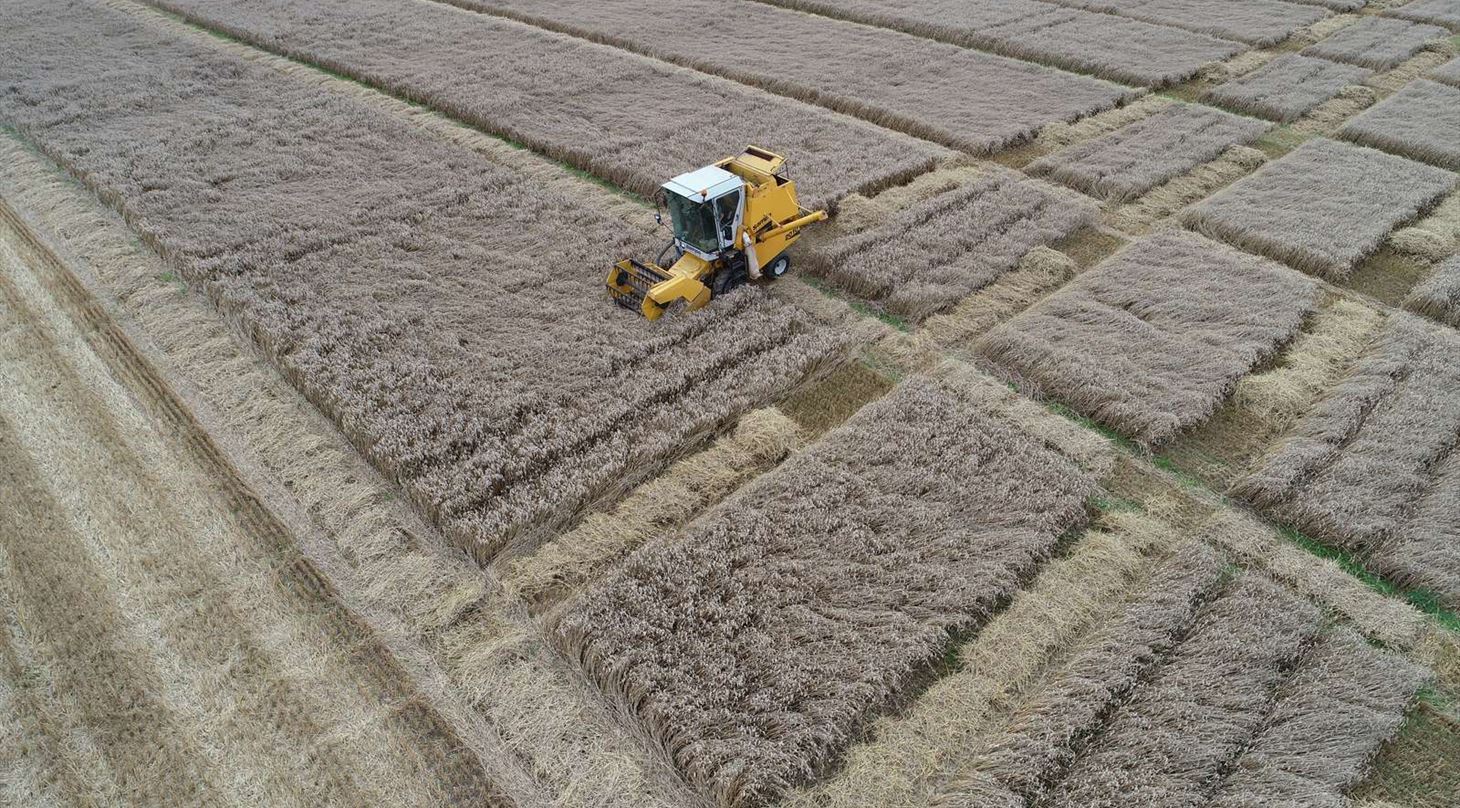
<point x="726" y="279"/>
<point x="778" y="268"/>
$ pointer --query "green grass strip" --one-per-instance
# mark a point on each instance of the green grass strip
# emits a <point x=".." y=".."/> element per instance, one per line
<point x="1420" y="599"/>
<point x="859" y="306"/>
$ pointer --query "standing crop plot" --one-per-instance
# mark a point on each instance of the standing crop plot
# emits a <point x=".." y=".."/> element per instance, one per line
<point x="1377" y="42"/>
<point x="756" y="644"/>
<point x="1346" y="698"/>
<point x="434" y="302"/>
<point x="1256" y="22"/>
<point x="1164" y="746"/>
<point x="1288" y="87"/>
<point x="631" y="120"/>
<point x="1152" y="340"/>
<point x="1198" y="694"/>
<point x="1132" y="160"/>
<point x="1323" y="207"/>
<point x="1371" y="467"/>
<point x="1439" y="12"/>
<point x="1420" y="121"/>
<point x="935" y="253"/>
<point x="1111" y="47"/>
<point x="904" y="82"/>
<point x="1438" y="296"/>
<point x="1336" y="5"/>
<point x="1019" y="761"/>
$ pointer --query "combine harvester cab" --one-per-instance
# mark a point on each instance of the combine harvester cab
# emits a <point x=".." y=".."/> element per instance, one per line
<point x="732" y="222"/>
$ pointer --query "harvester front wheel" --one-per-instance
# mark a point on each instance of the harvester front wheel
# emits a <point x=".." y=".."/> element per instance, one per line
<point x="778" y="268"/>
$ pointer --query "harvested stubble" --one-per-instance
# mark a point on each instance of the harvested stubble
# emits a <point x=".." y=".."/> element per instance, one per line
<point x="755" y="646"/>
<point x="899" y="767"/>
<point x="1256" y="22"/>
<point x="1376" y="42"/>
<point x="888" y="77"/>
<point x="1139" y="215"/>
<point x="1152" y="340"/>
<point x="1105" y="45"/>
<point x="1131" y="161"/>
<point x="1420" y="121"/>
<point x="1323" y="207"/>
<point x="1439" y="12"/>
<point x="1288" y="87"/>
<point x="762" y="439"/>
<point x="1438" y="296"/>
<point x="1448" y="72"/>
<point x="617" y="115"/>
<point x="1018" y="764"/>
<point x="1180" y="732"/>
<point x="1344" y="701"/>
<point x="1371" y="467"/>
<point x="351" y="250"/>
<point x="929" y="256"/>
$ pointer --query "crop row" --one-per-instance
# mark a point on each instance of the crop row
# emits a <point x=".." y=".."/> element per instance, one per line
<point x="1199" y="693"/>
<point x="631" y="120"/>
<point x="936" y="252"/>
<point x="951" y="95"/>
<point x="1017" y="764"/>
<point x="1105" y="45"/>
<point x="908" y="753"/>
<point x="1376" y="42"/>
<point x="1372" y="467"/>
<point x="1134" y="159"/>
<point x="424" y="296"/>
<point x="1257" y="22"/>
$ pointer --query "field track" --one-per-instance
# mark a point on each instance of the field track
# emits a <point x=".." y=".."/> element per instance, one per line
<point x="178" y="582"/>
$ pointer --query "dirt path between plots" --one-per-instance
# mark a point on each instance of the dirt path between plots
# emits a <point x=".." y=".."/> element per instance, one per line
<point x="162" y="640"/>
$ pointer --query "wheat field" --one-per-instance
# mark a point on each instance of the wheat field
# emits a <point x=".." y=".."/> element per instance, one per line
<point x="1098" y="450"/>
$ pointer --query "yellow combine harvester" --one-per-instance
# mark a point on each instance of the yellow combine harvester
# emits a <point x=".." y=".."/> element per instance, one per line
<point x="732" y="222"/>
